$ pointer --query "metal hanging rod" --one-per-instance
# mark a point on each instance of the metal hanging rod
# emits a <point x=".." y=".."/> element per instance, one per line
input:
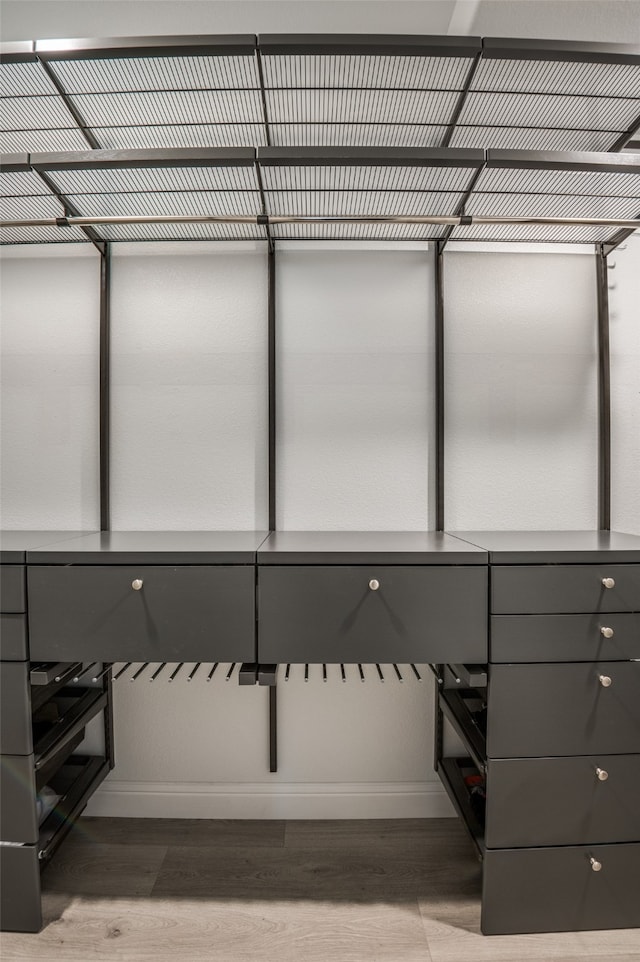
<point x="271" y="220"/>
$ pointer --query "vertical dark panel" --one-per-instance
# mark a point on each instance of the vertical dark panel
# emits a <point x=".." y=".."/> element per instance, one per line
<point x="105" y="384"/>
<point x="604" y="395"/>
<point x="273" y="728"/>
<point x="271" y="266"/>
<point x="439" y="372"/>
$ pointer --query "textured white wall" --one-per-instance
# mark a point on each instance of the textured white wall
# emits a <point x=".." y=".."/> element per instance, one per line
<point x="520" y="391"/>
<point x="624" y="314"/>
<point x="189" y="387"/>
<point x="49" y="338"/>
<point x="355" y="389"/>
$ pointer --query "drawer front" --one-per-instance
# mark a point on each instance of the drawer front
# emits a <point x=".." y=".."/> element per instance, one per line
<point x="330" y="614"/>
<point x="556" y="889"/>
<point x="13" y="638"/>
<point x="551" y="710"/>
<point x="560" y="589"/>
<point x="186" y="613"/>
<point x="18" y="818"/>
<point x="15" y="709"/>
<point x="20" y="909"/>
<point x="12" y="589"/>
<point x="526" y="638"/>
<point x="562" y="801"/>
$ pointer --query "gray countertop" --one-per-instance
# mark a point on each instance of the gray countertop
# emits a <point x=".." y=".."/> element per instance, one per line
<point x="555" y="547"/>
<point x="153" y="547"/>
<point x="361" y="547"/>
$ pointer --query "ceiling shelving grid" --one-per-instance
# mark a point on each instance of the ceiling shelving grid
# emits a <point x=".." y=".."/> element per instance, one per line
<point x="319" y="137"/>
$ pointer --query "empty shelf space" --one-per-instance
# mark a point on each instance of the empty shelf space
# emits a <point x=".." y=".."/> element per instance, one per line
<point x="457" y="709"/>
<point x="75" y="782"/>
<point x="452" y="772"/>
<point x="69" y="711"/>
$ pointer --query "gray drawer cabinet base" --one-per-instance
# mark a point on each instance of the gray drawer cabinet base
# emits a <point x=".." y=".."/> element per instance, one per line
<point x="562" y="801"/>
<point x="556" y="889"/>
<point x="326" y="613"/>
<point x="183" y="613"/>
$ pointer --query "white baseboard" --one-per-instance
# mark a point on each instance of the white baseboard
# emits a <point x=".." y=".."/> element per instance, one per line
<point x="288" y="801"/>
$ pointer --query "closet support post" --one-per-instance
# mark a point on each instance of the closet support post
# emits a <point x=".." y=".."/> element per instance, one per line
<point x="271" y="327"/>
<point x="439" y="383"/>
<point x="271" y="362"/>
<point x="604" y="394"/>
<point x="105" y="383"/>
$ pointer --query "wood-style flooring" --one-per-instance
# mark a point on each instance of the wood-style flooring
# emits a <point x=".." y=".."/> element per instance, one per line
<point x="241" y="891"/>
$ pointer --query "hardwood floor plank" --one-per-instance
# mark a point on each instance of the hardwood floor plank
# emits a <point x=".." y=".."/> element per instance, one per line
<point x="87" y="868"/>
<point x="453" y="933"/>
<point x="364" y="833"/>
<point x="335" y="874"/>
<point x="185" y="831"/>
<point x="210" y="931"/>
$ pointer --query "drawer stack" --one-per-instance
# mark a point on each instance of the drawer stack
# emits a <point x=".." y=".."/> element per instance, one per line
<point x="552" y="791"/>
<point x="44" y="783"/>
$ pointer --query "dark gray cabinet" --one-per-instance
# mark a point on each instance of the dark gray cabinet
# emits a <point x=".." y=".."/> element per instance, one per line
<point x="555" y="735"/>
<point x="542" y="681"/>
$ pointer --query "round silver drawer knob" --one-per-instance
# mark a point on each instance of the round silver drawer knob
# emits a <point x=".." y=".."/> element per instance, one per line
<point x="608" y="583"/>
<point x="601" y="775"/>
<point x="595" y="864"/>
<point x="605" y="681"/>
<point x="374" y="584"/>
<point x="136" y="584"/>
<point x="606" y="632"/>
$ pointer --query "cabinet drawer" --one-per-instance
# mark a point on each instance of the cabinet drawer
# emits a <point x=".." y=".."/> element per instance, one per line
<point x="562" y="801"/>
<point x="12" y="590"/>
<point x="13" y="638"/>
<point x="559" y="589"/>
<point x="550" y="710"/>
<point x="556" y="889"/>
<point x="331" y="614"/>
<point x="185" y="613"/>
<point x="15" y="709"/>
<point x="525" y="638"/>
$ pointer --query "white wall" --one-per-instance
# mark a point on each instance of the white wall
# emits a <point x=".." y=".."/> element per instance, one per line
<point x="624" y="314"/>
<point x="521" y="391"/>
<point x="189" y="387"/>
<point x="355" y="384"/>
<point x="49" y="339"/>
<point x="355" y="389"/>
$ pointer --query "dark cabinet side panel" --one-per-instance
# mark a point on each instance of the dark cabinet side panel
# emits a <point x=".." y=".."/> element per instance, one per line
<point x="185" y="613"/>
<point x="330" y="614"/>
<point x="16" y="737"/>
<point x="18" y="816"/>
<point x="20" y="909"/>
<point x="563" y="709"/>
<point x="12" y="591"/>
<point x="13" y="638"/>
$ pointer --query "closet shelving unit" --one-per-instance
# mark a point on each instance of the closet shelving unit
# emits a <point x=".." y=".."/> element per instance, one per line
<point x="358" y="138"/>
